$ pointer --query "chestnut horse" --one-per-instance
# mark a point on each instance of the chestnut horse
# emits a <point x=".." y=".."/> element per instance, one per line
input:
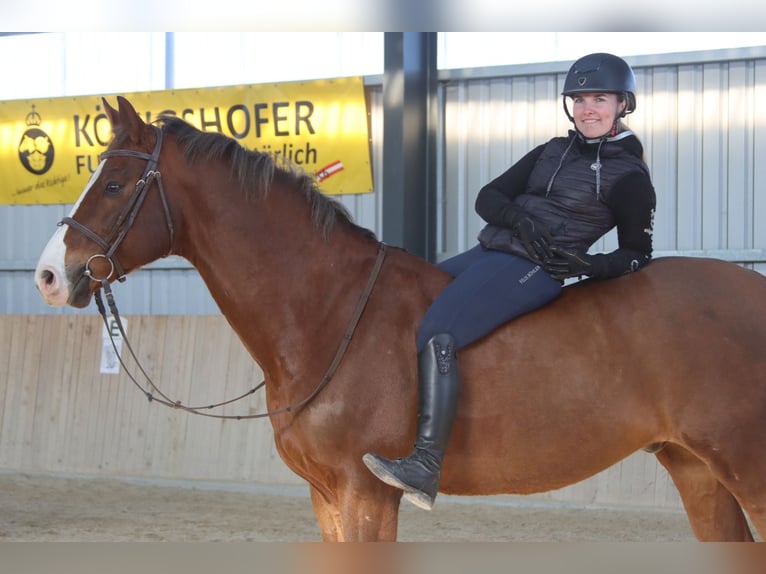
<point x="671" y="359"/>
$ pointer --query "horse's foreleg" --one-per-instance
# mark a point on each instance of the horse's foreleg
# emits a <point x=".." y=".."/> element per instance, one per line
<point x="714" y="513"/>
<point x="327" y="516"/>
<point x="370" y="515"/>
<point x="351" y="516"/>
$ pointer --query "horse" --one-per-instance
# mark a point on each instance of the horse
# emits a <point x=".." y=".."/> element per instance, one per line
<point x="669" y="359"/>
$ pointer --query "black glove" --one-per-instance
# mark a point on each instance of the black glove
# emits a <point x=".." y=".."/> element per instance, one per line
<point x="534" y="236"/>
<point x="564" y="264"/>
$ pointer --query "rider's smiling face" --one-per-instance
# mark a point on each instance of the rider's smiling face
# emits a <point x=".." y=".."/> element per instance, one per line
<point x="595" y="113"/>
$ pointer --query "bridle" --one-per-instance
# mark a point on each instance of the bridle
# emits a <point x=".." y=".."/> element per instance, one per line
<point x="128" y="214"/>
<point x="109" y="245"/>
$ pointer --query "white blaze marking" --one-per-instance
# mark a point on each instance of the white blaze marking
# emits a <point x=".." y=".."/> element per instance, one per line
<point x="88" y="185"/>
<point x="53" y="256"/>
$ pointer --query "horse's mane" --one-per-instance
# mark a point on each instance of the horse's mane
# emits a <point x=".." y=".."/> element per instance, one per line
<point x="256" y="170"/>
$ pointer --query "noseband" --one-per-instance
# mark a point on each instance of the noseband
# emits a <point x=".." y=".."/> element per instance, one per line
<point x="129" y="212"/>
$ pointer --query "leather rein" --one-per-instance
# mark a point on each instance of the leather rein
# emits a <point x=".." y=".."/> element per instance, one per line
<point x="109" y="245"/>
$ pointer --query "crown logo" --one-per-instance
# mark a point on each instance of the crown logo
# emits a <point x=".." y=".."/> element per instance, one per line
<point x="35" y="148"/>
<point x="33" y="118"/>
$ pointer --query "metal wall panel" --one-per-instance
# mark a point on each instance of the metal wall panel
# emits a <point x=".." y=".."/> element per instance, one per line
<point x="699" y="116"/>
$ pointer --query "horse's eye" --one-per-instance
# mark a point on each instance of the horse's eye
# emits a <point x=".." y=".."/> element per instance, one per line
<point x="113" y="188"/>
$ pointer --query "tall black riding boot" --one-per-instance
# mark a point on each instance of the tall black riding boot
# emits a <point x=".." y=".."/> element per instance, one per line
<point x="439" y="386"/>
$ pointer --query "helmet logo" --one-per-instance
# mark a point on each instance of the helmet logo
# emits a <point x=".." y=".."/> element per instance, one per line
<point x="581" y="80"/>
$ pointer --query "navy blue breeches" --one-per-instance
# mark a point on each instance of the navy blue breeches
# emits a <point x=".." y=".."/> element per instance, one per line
<point x="489" y="288"/>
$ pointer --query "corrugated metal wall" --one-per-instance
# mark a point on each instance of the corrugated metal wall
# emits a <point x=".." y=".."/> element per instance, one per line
<point x="699" y="116"/>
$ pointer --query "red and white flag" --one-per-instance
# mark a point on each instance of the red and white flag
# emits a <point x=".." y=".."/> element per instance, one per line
<point x="328" y="170"/>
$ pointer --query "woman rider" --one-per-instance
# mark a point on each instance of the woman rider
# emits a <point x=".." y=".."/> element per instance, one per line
<point x="542" y="215"/>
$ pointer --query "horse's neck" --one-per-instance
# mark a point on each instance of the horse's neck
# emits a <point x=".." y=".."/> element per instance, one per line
<point x="275" y="278"/>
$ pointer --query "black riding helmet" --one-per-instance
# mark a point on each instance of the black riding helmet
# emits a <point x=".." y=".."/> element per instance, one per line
<point x="601" y="73"/>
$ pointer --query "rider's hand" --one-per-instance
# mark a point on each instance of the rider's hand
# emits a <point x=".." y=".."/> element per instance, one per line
<point x="535" y="237"/>
<point x="563" y="263"/>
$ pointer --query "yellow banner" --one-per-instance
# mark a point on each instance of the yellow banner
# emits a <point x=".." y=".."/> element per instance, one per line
<point x="50" y="147"/>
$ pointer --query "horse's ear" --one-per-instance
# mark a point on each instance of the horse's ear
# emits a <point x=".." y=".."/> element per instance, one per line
<point x="127" y="118"/>
<point x="111" y="113"/>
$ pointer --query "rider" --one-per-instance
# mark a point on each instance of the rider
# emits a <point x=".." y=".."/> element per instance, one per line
<point x="542" y="215"/>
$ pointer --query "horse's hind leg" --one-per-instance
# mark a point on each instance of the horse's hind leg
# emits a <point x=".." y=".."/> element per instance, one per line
<point x="714" y="513"/>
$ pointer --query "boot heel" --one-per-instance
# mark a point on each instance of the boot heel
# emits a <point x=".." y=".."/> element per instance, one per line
<point x="386" y="471"/>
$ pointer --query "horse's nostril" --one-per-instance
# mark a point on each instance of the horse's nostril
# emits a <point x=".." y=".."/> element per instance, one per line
<point x="48" y="277"/>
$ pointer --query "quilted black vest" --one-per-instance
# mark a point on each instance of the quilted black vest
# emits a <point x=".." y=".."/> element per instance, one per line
<point x="570" y="190"/>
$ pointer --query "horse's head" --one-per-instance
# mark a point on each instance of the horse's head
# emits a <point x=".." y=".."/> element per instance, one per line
<point x="120" y="222"/>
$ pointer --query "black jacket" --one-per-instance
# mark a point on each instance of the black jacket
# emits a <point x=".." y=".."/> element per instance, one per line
<point x="579" y="189"/>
